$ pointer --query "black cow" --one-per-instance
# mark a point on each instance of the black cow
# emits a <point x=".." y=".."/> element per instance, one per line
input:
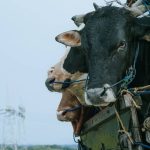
<point x="109" y="40"/>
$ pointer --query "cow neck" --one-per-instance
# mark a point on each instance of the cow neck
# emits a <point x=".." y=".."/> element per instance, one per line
<point x="142" y="65"/>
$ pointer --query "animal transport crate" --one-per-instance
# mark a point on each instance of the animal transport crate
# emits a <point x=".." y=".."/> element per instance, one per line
<point x="101" y="131"/>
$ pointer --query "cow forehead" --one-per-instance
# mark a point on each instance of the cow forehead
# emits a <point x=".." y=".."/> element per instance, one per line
<point x="108" y="14"/>
<point x="106" y="28"/>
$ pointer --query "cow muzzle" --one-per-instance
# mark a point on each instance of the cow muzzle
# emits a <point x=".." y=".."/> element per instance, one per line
<point x="49" y="83"/>
<point x="100" y="96"/>
<point x="57" y="86"/>
<point x="64" y="116"/>
<point x="61" y="116"/>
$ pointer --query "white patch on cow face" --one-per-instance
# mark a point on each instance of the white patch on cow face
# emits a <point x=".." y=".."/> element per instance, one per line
<point x="87" y="101"/>
<point x="63" y="59"/>
<point x="96" y="98"/>
<point x="81" y="27"/>
<point x="110" y="95"/>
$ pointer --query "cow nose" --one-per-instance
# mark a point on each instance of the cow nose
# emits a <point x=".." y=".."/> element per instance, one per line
<point x="100" y="96"/>
<point x="93" y="96"/>
<point x="57" y="38"/>
<point x="48" y="83"/>
<point x="61" y="116"/>
<point x="73" y="18"/>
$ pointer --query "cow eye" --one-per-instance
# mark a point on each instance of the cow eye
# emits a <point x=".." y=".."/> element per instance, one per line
<point x="122" y="46"/>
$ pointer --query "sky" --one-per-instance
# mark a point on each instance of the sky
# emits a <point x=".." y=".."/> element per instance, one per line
<point x="27" y="50"/>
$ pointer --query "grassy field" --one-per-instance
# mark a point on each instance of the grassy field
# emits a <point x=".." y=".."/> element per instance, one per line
<point x="42" y="147"/>
<point x="53" y="147"/>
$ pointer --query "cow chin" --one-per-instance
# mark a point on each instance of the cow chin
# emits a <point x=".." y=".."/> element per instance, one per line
<point x="98" y="97"/>
<point x="57" y="87"/>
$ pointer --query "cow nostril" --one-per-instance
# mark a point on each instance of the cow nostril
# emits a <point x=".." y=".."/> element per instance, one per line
<point x="104" y="92"/>
<point x="64" y="113"/>
<point x="57" y="38"/>
<point x="49" y="81"/>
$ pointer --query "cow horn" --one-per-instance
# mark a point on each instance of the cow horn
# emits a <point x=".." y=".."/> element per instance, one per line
<point x="96" y="6"/>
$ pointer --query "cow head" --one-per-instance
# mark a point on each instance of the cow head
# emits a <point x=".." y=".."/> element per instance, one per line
<point x="67" y="70"/>
<point x="78" y="114"/>
<point x="70" y="101"/>
<point x="57" y="74"/>
<point x="109" y="40"/>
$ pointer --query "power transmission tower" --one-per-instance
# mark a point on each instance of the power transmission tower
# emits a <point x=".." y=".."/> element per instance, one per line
<point x="12" y="127"/>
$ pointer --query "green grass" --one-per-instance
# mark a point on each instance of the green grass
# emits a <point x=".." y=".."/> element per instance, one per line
<point x="42" y="147"/>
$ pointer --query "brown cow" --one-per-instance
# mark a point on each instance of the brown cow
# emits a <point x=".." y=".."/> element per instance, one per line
<point x="58" y="74"/>
<point x="70" y="109"/>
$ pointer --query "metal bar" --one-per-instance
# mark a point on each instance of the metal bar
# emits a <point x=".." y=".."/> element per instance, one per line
<point x="136" y="131"/>
<point x="99" y="118"/>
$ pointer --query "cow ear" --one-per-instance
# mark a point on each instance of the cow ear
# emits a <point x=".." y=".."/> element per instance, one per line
<point x="142" y="28"/>
<point x="69" y="38"/>
<point x="96" y="7"/>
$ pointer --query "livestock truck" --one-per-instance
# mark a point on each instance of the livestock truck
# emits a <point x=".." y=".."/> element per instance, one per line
<point x="116" y="127"/>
